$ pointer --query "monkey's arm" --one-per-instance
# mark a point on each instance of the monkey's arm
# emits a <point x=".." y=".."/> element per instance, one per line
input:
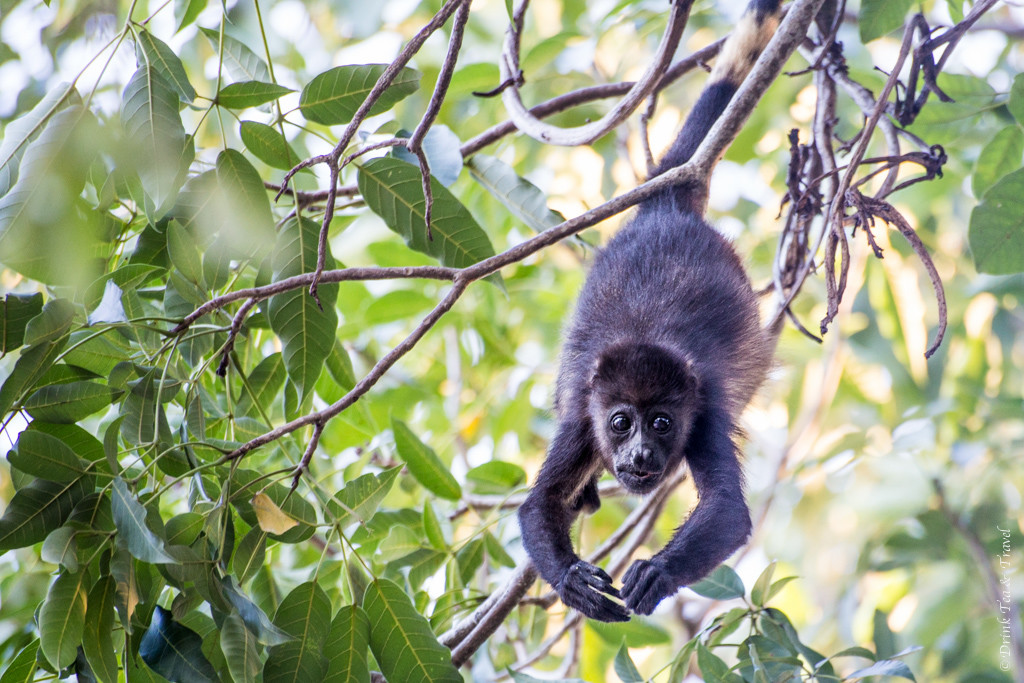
<point x="716" y="528"/>
<point x="548" y="512"/>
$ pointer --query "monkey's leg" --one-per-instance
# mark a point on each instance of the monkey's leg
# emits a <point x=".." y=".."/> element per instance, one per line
<point x="545" y="518"/>
<point x="716" y="528"/>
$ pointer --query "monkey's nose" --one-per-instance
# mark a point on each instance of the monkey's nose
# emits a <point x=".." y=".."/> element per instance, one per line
<point x="642" y="459"/>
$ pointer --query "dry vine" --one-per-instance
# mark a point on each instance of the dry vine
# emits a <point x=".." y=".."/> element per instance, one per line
<point x="823" y="199"/>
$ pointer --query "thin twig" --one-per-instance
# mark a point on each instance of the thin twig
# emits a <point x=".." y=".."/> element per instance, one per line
<point x="236" y="327"/>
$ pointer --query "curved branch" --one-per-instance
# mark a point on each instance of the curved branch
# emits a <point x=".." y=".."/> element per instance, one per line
<point x="585" y="134"/>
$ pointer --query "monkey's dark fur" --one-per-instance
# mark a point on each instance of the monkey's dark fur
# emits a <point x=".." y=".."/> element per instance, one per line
<point x="663" y="354"/>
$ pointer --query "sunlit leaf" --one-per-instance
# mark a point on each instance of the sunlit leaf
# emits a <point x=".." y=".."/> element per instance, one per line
<point x="149" y="115"/>
<point x="1001" y="156"/>
<point x="878" y="17"/>
<point x="241" y="63"/>
<point x="525" y="200"/>
<point x="393" y="190"/>
<point x="347" y="645"/>
<point x="424" y="464"/>
<point x="361" y="496"/>
<point x="333" y="96"/>
<point x="401" y="639"/>
<point x="22" y="668"/>
<point x="625" y="668"/>
<point x="268" y="145"/>
<point x="160" y="56"/>
<point x="250" y="94"/>
<point x="21" y="131"/>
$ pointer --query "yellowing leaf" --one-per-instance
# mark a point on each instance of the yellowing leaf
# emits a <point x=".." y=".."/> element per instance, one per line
<point x="272" y="519"/>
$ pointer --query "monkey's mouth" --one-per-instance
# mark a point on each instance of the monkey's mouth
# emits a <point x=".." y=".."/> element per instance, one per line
<point x="637" y="480"/>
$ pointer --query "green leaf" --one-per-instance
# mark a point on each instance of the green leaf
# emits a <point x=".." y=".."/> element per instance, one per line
<point x="999" y="157"/>
<point x="292" y="663"/>
<point x="181" y="249"/>
<point x="254" y="618"/>
<point x="149" y="115"/>
<point x="19" y="133"/>
<point x="97" y="641"/>
<point x="188" y="11"/>
<point x="46" y="457"/>
<point x="432" y="528"/>
<point x="713" y="668"/>
<point x="15" y="312"/>
<point x="250" y="206"/>
<point x="132" y="531"/>
<point x="68" y="403"/>
<point x="22" y="668"/>
<point x="38" y="509"/>
<point x="525" y="200"/>
<point x="393" y="190"/>
<point x="1015" y="104"/>
<point x="52" y="322"/>
<point x="996" y="231"/>
<point x="424" y="464"/>
<point x="885" y="667"/>
<point x="62" y="619"/>
<point x="777" y="587"/>
<point x="31" y="366"/>
<point x="400" y="637"/>
<point x="241" y="63"/>
<point x="175" y="651"/>
<point x="305" y="613"/>
<point x="160" y="56"/>
<point x="361" y="496"/>
<point x="265" y="382"/>
<point x="250" y="94"/>
<point x="625" y="668"/>
<point x="240" y="650"/>
<point x="42" y="208"/>
<point x="637" y="632"/>
<point x="497" y="552"/>
<point x="761" y="586"/>
<point x="878" y="17"/>
<point x="496" y="476"/>
<point x="347" y="644"/>
<point x="333" y="96"/>
<point x="721" y="584"/>
<point x="882" y="635"/>
<point x="250" y="555"/>
<point x="268" y="145"/>
<point x="306" y="330"/>
<point x="402" y="541"/>
<point x="61" y="548"/>
<point x="520" y="677"/>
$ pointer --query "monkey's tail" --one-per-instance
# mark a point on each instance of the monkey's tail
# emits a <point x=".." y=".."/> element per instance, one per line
<point x="737" y="57"/>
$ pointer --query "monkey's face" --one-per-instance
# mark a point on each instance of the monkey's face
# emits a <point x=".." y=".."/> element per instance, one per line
<point x="643" y="399"/>
<point x="640" y="445"/>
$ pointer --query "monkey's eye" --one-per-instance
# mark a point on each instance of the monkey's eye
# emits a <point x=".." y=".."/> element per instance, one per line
<point x="661" y="424"/>
<point x="620" y="423"/>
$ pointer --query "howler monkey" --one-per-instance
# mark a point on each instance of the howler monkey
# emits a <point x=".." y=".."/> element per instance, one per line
<point x="662" y="355"/>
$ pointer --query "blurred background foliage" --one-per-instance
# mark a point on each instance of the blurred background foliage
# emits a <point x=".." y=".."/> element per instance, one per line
<point x="888" y="484"/>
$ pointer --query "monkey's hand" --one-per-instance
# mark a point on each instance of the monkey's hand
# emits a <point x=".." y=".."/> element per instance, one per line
<point x="645" y="584"/>
<point x="584" y="588"/>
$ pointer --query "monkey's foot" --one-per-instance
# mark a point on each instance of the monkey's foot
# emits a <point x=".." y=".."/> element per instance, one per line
<point x="645" y="584"/>
<point x="584" y="588"/>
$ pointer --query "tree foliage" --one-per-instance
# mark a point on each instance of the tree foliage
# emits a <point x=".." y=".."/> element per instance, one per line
<point x="282" y="298"/>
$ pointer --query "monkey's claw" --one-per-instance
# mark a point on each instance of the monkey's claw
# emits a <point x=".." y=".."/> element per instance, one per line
<point x="646" y="584"/>
<point x="584" y="587"/>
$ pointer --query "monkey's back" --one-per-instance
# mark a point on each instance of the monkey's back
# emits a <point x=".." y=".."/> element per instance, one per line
<point x="669" y="278"/>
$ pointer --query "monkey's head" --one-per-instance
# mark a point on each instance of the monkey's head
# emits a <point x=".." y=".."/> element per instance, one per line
<point x="643" y="399"/>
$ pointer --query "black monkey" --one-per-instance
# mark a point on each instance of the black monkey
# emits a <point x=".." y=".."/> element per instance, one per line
<point x="663" y="353"/>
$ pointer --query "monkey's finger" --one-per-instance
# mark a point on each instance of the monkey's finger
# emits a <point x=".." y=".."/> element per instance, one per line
<point x="602" y="584"/>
